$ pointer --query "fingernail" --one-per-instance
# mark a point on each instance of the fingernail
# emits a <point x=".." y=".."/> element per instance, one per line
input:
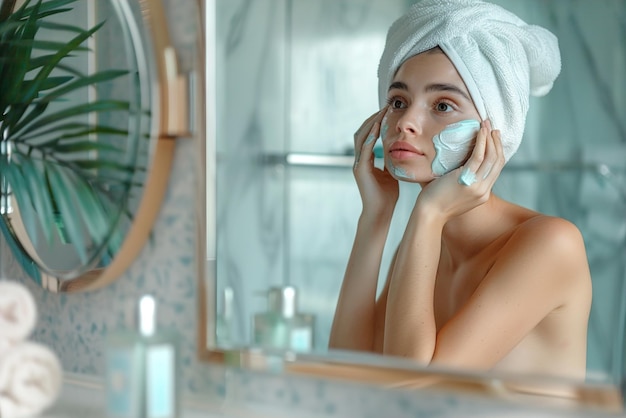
<point x="467" y="177"/>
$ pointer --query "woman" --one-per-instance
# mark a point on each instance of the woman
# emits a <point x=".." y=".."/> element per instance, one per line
<point x="476" y="282"/>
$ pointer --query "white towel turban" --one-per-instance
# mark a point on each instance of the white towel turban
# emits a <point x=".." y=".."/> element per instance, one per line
<point x="501" y="59"/>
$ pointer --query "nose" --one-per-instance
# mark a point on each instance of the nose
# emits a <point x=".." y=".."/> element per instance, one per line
<point x="410" y="122"/>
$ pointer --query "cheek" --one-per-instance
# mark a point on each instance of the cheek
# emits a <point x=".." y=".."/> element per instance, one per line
<point x="386" y="143"/>
<point x="399" y="173"/>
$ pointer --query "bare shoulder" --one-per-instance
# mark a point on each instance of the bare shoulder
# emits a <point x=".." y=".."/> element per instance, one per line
<point x="553" y="247"/>
<point x="542" y="270"/>
<point x="552" y="234"/>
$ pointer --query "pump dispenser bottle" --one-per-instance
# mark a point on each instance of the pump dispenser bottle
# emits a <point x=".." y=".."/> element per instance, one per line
<point x="282" y="327"/>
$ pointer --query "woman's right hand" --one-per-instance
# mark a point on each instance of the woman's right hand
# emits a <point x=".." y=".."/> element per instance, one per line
<point x="379" y="190"/>
<point x="468" y="186"/>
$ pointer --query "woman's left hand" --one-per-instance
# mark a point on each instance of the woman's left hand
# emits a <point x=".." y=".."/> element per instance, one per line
<point x="470" y="185"/>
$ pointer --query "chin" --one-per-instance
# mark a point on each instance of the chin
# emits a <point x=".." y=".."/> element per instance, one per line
<point x="412" y="181"/>
<point x="409" y="176"/>
<point x="405" y="179"/>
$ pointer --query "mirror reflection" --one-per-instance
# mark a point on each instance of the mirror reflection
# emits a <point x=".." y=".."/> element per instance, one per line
<point x="297" y="81"/>
<point x="75" y="119"/>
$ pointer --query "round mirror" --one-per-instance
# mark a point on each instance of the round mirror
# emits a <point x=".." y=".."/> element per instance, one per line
<point x="79" y="188"/>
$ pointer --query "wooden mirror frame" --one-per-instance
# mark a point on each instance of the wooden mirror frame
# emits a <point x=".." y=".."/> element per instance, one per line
<point x="170" y="104"/>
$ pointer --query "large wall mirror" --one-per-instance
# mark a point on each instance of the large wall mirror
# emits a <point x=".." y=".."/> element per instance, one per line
<point x="87" y="134"/>
<point x="294" y="79"/>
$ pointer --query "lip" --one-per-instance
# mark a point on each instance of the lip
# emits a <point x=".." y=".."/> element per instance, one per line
<point x="402" y="150"/>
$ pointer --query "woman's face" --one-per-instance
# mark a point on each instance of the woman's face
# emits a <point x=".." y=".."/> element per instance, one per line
<point x="426" y="95"/>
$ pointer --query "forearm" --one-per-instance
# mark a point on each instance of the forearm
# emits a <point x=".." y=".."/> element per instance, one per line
<point x="354" y="321"/>
<point x="410" y="329"/>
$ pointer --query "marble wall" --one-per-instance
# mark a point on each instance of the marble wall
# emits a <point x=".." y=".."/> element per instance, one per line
<point x="297" y="76"/>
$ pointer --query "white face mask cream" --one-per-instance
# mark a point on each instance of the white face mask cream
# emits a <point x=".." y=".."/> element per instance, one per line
<point x="453" y="145"/>
<point x="400" y="173"/>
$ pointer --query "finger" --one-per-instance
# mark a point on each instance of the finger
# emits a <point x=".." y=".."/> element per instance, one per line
<point x="489" y="159"/>
<point x="499" y="151"/>
<point x="364" y="151"/>
<point x="367" y="126"/>
<point x="488" y="125"/>
<point x="359" y="137"/>
<point x="468" y="172"/>
<point x="500" y="148"/>
<point x="384" y="126"/>
<point x="495" y="161"/>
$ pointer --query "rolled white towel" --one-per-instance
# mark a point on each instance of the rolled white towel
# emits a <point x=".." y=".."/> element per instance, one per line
<point x="30" y="380"/>
<point x="18" y="312"/>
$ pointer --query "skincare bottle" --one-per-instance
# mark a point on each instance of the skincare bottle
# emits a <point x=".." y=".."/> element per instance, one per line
<point x="302" y="328"/>
<point x="271" y="328"/>
<point x="124" y="374"/>
<point x="160" y="364"/>
<point x="142" y="368"/>
<point x="282" y="327"/>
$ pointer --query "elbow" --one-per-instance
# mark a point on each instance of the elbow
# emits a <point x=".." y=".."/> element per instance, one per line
<point x="420" y="353"/>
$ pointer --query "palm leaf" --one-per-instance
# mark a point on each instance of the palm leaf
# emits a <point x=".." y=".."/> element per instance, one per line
<point x="21" y="54"/>
<point x="62" y="193"/>
<point x="82" y="82"/>
<point x="77" y="127"/>
<point x="54" y="6"/>
<point x="34" y="173"/>
<point x="19" y="188"/>
<point x="29" y="94"/>
<point x="60" y="26"/>
<point x="67" y="113"/>
<point x="60" y="168"/>
<point x="9" y="27"/>
<point x="91" y="206"/>
<point x="40" y="61"/>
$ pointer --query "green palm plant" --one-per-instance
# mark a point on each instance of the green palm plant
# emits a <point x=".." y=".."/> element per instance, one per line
<point x="67" y="174"/>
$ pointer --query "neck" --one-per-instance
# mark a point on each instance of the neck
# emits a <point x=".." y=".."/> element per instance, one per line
<point x="469" y="233"/>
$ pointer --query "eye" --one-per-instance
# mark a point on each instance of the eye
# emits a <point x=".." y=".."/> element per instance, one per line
<point x="443" y="107"/>
<point x="396" y="103"/>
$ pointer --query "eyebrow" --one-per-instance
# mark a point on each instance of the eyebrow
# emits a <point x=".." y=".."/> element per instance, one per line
<point x="432" y="87"/>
